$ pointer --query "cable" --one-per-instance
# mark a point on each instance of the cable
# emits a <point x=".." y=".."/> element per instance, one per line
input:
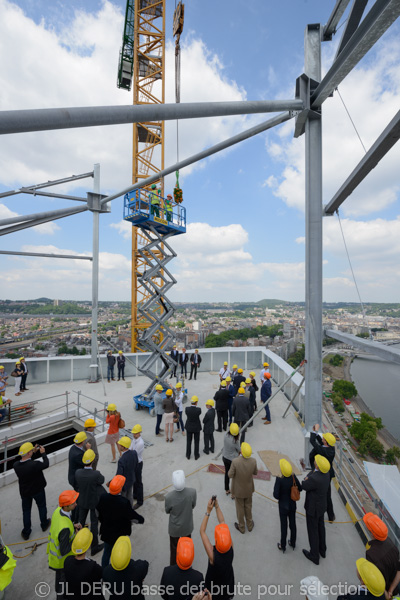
<point x="352" y="122"/>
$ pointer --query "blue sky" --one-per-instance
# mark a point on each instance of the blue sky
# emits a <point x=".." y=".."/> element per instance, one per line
<point x="245" y="207"/>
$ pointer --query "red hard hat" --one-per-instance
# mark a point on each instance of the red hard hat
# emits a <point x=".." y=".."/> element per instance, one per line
<point x="67" y="497"/>
<point x="267" y="375"/>
<point x="223" y="540"/>
<point x="116" y="484"/>
<point x="185" y="553"/>
<point x="376" y="526"/>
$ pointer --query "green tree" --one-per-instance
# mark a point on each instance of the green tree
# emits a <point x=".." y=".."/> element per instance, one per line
<point x="83" y="352"/>
<point x="338" y="403"/>
<point x="376" y="449"/>
<point x="392" y="454"/>
<point x="295" y="359"/>
<point x="180" y="324"/>
<point x="346" y="388"/>
<point x="336" y="360"/>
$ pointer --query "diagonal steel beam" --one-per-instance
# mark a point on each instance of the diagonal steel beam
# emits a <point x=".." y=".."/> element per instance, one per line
<point x="46" y="184"/>
<point x="381" y="16"/>
<point x="46" y="255"/>
<point x="386" y="352"/>
<point x="333" y="21"/>
<point x="378" y="150"/>
<point x="46" y="214"/>
<point x="35" y="222"/>
<point x="355" y="16"/>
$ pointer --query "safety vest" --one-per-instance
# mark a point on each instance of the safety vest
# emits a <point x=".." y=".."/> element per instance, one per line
<point x="1" y="401"/>
<point x="58" y="523"/>
<point x="155" y="198"/>
<point x="168" y="205"/>
<point x="7" y="570"/>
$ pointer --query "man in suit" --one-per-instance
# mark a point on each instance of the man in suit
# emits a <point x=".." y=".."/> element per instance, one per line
<point x="208" y="427"/>
<point x="325" y="446"/>
<point x="221" y="398"/>
<point x="89" y="427"/>
<point x="183" y="360"/>
<point x="382" y="552"/>
<point x="242" y="487"/>
<point x="31" y="484"/>
<point x="89" y="485"/>
<point x="316" y="487"/>
<point x="179" y="505"/>
<point x="238" y="379"/>
<point x="174" y="356"/>
<point x="266" y="391"/>
<point x="195" y="361"/>
<point x="241" y="411"/>
<point x="75" y="456"/>
<point x="127" y="465"/>
<point x="193" y="428"/>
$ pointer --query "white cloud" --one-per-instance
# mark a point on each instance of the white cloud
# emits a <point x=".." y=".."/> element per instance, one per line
<point x="49" y="228"/>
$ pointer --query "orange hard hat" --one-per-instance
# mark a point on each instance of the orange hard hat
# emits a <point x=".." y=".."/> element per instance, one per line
<point x="267" y="375"/>
<point x="376" y="526"/>
<point x="185" y="553"/>
<point x="67" y="497"/>
<point x="223" y="540"/>
<point x="116" y="484"/>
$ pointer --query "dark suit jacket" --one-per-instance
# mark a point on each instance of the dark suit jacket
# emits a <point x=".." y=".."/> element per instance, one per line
<point x="30" y="474"/>
<point x="192" y="424"/>
<point x="175" y="355"/>
<point x="74" y="463"/>
<point x="282" y="488"/>
<point x="241" y="409"/>
<point x="89" y="485"/>
<point x="208" y="421"/>
<point x="238" y="380"/>
<point x="198" y="359"/>
<point x="115" y="516"/>
<point x="183" y="361"/>
<point x="221" y="399"/>
<point x="127" y="466"/>
<point x="316" y="487"/>
<point x="319" y="448"/>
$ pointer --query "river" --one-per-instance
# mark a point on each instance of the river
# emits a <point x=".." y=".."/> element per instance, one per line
<point x="378" y="384"/>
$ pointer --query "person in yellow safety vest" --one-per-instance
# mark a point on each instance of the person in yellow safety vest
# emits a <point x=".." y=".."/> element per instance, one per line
<point x="154" y="199"/>
<point x="168" y="207"/>
<point x="62" y="533"/>
<point x="7" y="566"/>
<point x="3" y="403"/>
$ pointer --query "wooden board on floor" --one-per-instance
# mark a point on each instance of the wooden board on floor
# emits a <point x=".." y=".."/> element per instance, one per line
<point x="212" y="468"/>
<point x="271" y="460"/>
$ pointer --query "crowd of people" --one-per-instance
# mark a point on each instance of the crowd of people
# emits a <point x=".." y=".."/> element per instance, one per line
<point x="20" y="374"/>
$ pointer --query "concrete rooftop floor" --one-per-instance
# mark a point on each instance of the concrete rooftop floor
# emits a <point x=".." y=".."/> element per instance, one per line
<point x="257" y="560"/>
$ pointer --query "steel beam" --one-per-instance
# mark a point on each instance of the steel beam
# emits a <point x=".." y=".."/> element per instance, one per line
<point x="50" y="195"/>
<point x="43" y="215"/>
<point x="46" y="184"/>
<point x="35" y="222"/>
<point x="95" y="279"/>
<point x="333" y="21"/>
<point x="46" y="255"/>
<point x="355" y="16"/>
<point x="377" y="349"/>
<point x="382" y="14"/>
<point x="204" y="154"/>
<point x="378" y="150"/>
<point x="18" y="121"/>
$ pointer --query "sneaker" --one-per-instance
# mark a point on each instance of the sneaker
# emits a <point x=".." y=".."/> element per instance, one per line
<point x="159" y="435"/>
<point x="114" y="460"/>
<point x="136" y="506"/>
<point x="183" y="433"/>
<point x="46" y="525"/>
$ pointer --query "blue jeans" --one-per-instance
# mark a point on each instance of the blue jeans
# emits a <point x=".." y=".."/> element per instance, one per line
<point x="230" y="403"/>
<point x="105" y="559"/>
<point x="3" y="413"/>
<point x="40" y="499"/>
<point x="180" y="422"/>
<point x="110" y="372"/>
<point x="159" y="419"/>
<point x="267" y="412"/>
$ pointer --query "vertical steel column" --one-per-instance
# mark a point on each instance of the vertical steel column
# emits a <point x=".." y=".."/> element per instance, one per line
<point x="313" y="175"/>
<point x="95" y="278"/>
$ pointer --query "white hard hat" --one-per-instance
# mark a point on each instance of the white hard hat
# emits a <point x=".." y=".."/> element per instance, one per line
<point x="313" y="588"/>
<point x="178" y="480"/>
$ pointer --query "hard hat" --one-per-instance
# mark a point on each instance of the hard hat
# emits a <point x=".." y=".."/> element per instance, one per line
<point x="88" y="457"/>
<point x="18" y="363"/>
<point x="228" y="379"/>
<point x="169" y="195"/>
<point x="223" y="383"/>
<point x="330" y="438"/>
<point x="119" y="351"/>
<point x="248" y="380"/>
<point x="116" y="484"/>
<point x="124" y="441"/>
<point x="286" y="467"/>
<point x="371" y="576"/>
<point x="245" y="449"/>
<point x="234" y="429"/>
<point x="109" y="352"/>
<point x="111" y="407"/>
<point x="80" y="437"/>
<point x="174" y="346"/>
<point x="153" y="187"/>
<point x="323" y="463"/>
<point x="82" y="541"/>
<point x="265" y="365"/>
<point x="121" y="553"/>
<point x="376" y="526"/>
<point x="241" y="390"/>
<point x="137" y="429"/>
<point x="223" y="540"/>
<point x="185" y="553"/>
<point x="267" y="375"/>
<point x="178" y="480"/>
<point x="1" y="367"/>
<point x="225" y="364"/>
<point x="178" y="385"/>
<point x="90" y="423"/>
<point x="210" y="403"/>
<point x="25" y="448"/>
<point x="240" y="370"/>
<point x="67" y="497"/>
<point x="159" y="388"/>
<point x="21" y="358"/>
<point x="168" y="392"/>
<point x="234" y="367"/>
<point x="194" y="399"/>
<point x="252" y="374"/>
<point x="313" y="588"/>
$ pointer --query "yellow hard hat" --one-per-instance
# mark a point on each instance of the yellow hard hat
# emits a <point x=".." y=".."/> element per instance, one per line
<point x="121" y="553"/>
<point x="21" y="358"/>
<point x="119" y="351"/>
<point x="25" y="448"/>
<point x="223" y="383"/>
<point x="210" y="403"/>
<point x="371" y="576"/>
<point x="194" y="399"/>
<point x="90" y="423"/>
<point x="241" y="390"/>
<point x="1" y="367"/>
<point x="82" y="541"/>
<point x="125" y="441"/>
<point x="228" y="379"/>
<point x="111" y="407"/>
<point x="240" y="370"/>
<point x="225" y="364"/>
<point x="178" y="385"/>
<point x="169" y="392"/>
<point x="80" y="437"/>
<point x="234" y="367"/>
<point x="252" y="374"/>
<point x="17" y="363"/>
<point x="88" y="457"/>
<point x="234" y="429"/>
<point x="245" y="449"/>
<point x="323" y="463"/>
<point x="286" y="467"/>
<point x="248" y="380"/>
<point x="265" y="365"/>
<point x="330" y="438"/>
<point x="137" y="429"/>
<point x="159" y="388"/>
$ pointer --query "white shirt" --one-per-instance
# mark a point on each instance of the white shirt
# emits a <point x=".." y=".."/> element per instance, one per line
<point x="264" y="370"/>
<point x="179" y="399"/>
<point x="225" y="372"/>
<point x="138" y="445"/>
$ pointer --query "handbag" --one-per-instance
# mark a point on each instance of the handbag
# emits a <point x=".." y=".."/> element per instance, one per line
<point x="294" y="492"/>
<point x="176" y="417"/>
<point x="14" y="374"/>
<point x="121" y="423"/>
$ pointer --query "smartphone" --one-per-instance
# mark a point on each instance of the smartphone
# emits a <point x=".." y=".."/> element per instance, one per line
<point x="213" y="499"/>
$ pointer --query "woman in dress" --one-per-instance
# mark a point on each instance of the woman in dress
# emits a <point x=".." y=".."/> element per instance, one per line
<point x="112" y="437"/>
